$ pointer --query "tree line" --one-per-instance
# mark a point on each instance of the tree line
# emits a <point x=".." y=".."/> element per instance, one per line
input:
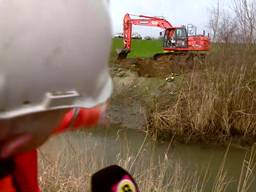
<point x="235" y="24"/>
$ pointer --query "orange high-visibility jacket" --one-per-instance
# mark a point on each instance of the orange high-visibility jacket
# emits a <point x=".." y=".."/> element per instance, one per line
<point x="19" y="173"/>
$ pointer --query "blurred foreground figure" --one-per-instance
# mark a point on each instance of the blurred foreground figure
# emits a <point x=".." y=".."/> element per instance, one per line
<point x="113" y="179"/>
<point x="54" y="78"/>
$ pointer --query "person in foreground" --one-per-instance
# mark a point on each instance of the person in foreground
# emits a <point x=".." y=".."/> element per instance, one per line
<point x="53" y="78"/>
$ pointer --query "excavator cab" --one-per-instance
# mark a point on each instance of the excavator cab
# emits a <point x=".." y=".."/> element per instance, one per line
<point x="176" y="38"/>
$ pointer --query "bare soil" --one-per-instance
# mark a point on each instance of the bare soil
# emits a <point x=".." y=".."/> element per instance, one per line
<point x="148" y="67"/>
<point x="139" y="86"/>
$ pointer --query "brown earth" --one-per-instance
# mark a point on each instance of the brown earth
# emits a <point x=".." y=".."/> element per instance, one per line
<point x="140" y="85"/>
<point x="148" y="67"/>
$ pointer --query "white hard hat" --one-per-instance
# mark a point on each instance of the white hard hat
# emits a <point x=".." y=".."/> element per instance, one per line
<point x="53" y="55"/>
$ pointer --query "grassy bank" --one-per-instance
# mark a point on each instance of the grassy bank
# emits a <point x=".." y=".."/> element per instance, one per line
<point x="213" y="102"/>
<point x="216" y="101"/>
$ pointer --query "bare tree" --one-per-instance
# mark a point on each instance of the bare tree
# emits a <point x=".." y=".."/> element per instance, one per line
<point x="222" y="25"/>
<point x="245" y="11"/>
<point x="227" y="32"/>
<point x="239" y="25"/>
<point x="214" y="21"/>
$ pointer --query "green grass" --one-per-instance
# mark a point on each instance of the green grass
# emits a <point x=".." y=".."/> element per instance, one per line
<point x="140" y="48"/>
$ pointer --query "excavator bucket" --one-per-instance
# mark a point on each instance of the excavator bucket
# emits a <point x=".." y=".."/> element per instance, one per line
<point x="122" y="53"/>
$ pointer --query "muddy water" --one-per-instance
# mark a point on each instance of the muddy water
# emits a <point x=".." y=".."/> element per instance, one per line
<point x="112" y="144"/>
<point x="123" y="145"/>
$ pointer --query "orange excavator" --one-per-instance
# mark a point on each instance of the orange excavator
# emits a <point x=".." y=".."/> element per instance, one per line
<point x="176" y="41"/>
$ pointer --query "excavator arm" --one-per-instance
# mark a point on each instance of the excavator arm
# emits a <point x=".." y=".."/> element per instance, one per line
<point x="141" y="20"/>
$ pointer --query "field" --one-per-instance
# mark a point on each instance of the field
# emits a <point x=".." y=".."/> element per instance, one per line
<point x="139" y="48"/>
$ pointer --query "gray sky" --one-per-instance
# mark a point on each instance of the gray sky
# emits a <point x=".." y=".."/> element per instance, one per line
<point x="178" y="12"/>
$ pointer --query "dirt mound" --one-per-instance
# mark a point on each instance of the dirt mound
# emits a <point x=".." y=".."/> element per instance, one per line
<point x="148" y="67"/>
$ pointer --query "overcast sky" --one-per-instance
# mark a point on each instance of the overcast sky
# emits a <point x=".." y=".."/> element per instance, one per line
<point x="178" y="12"/>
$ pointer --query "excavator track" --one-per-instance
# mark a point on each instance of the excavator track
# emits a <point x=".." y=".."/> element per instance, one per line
<point x="163" y="64"/>
<point x="180" y="58"/>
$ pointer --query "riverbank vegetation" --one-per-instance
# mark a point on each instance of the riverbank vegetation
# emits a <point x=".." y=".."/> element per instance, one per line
<point x="216" y="101"/>
<point x="67" y="164"/>
<point x="212" y="102"/>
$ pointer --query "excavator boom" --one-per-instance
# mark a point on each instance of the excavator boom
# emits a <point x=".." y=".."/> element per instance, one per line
<point x="141" y="20"/>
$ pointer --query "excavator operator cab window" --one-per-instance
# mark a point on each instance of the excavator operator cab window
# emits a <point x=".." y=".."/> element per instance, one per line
<point x="181" y="33"/>
<point x="176" y="38"/>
